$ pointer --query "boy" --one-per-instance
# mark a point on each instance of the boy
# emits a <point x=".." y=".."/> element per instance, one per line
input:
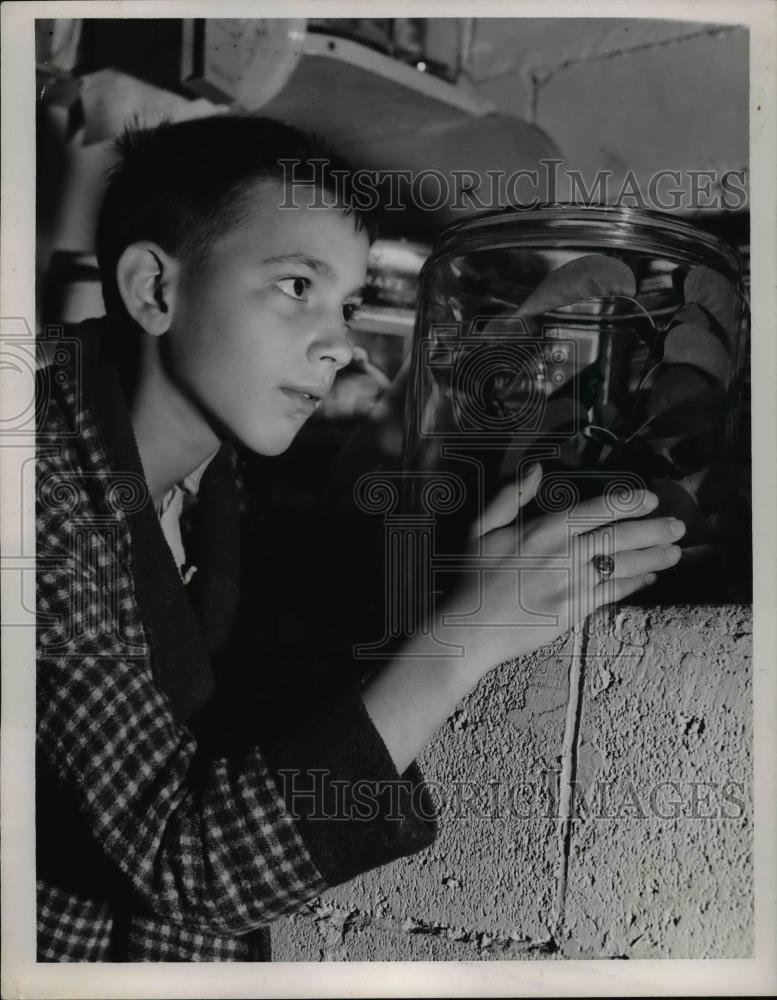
<point x="164" y="832"/>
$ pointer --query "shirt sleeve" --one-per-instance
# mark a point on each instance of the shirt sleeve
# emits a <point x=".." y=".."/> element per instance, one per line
<point x="228" y="842"/>
<point x="340" y="784"/>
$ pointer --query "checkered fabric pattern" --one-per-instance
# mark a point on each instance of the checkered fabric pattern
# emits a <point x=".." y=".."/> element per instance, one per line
<point x="204" y="846"/>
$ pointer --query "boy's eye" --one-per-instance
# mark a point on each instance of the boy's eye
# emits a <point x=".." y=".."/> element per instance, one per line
<point x="295" y="288"/>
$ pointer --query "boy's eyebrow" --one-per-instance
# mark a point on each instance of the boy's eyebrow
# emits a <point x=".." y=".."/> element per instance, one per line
<point x="319" y="266"/>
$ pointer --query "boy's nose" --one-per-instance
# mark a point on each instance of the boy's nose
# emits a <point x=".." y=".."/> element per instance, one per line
<point x="334" y="345"/>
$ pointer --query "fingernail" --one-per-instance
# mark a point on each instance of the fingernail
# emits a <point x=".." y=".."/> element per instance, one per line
<point x="676" y="527"/>
<point x="673" y="552"/>
<point x="651" y="578"/>
<point x="528" y="474"/>
<point x="650" y="500"/>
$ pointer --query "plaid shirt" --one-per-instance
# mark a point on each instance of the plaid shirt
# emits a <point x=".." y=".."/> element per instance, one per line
<point x="162" y="835"/>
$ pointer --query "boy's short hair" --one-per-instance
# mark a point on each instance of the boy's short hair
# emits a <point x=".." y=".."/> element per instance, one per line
<point x="182" y="185"/>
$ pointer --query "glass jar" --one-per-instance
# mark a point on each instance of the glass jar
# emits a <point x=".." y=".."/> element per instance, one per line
<point x="609" y="344"/>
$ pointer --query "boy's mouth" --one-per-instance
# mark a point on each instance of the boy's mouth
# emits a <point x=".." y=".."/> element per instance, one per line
<point x="306" y="399"/>
<point x="315" y="391"/>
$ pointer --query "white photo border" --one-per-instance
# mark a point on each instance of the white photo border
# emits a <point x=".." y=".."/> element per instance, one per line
<point x="21" y="976"/>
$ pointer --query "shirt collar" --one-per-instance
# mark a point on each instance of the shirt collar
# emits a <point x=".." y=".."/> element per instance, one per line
<point x="191" y="483"/>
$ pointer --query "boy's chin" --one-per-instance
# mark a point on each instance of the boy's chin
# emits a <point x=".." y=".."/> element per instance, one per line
<point x="267" y="445"/>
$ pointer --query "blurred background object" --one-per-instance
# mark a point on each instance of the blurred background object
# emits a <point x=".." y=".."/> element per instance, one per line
<point x="241" y="61"/>
<point x="433" y="45"/>
<point x="384" y="323"/>
<point x="376" y="33"/>
<point x="56" y="45"/>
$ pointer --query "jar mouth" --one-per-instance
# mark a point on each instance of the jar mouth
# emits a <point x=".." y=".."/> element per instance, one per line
<point x="590" y="226"/>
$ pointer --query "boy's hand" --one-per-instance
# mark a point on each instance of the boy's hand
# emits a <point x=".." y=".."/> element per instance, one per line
<point x="531" y="583"/>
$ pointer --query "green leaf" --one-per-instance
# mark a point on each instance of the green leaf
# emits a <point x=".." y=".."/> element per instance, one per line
<point x="594" y="432"/>
<point x="699" y="451"/>
<point x="663" y="446"/>
<point x="594" y="276"/>
<point x="682" y="402"/>
<point x="693" y="482"/>
<point x="693" y="345"/>
<point x="714" y="293"/>
<point x="691" y="313"/>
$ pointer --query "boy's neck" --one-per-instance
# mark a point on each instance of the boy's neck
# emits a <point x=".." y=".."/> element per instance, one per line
<point x="172" y="436"/>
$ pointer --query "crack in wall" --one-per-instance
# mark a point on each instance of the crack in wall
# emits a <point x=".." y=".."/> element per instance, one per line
<point x="662" y="43"/>
<point x="535" y="82"/>
<point x="536" y="76"/>
<point x="544" y="72"/>
<point x="540" y="75"/>
<point x="581" y="639"/>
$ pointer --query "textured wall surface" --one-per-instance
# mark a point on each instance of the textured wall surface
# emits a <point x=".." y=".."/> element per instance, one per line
<point x="623" y="95"/>
<point x="596" y="803"/>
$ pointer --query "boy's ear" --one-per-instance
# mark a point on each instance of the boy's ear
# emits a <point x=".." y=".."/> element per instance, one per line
<point x="147" y="279"/>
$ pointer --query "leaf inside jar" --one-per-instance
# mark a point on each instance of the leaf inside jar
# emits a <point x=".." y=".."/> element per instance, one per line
<point x="694" y="345"/>
<point x="691" y="313"/>
<point x="716" y="295"/>
<point x="591" y="277"/>
<point x="682" y="402"/>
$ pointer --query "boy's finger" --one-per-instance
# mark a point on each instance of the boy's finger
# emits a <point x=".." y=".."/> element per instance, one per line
<point x="628" y="536"/>
<point x="610" y="591"/>
<point x="635" y="563"/>
<point x="529" y="483"/>
<point x="503" y="509"/>
<point x="595" y="513"/>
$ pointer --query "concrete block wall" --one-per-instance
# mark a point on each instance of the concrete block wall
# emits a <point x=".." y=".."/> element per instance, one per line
<point x="622" y="95"/>
<point x="595" y="802"/>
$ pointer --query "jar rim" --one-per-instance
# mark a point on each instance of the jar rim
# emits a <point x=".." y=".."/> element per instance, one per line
<point x="620" y="227"/>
